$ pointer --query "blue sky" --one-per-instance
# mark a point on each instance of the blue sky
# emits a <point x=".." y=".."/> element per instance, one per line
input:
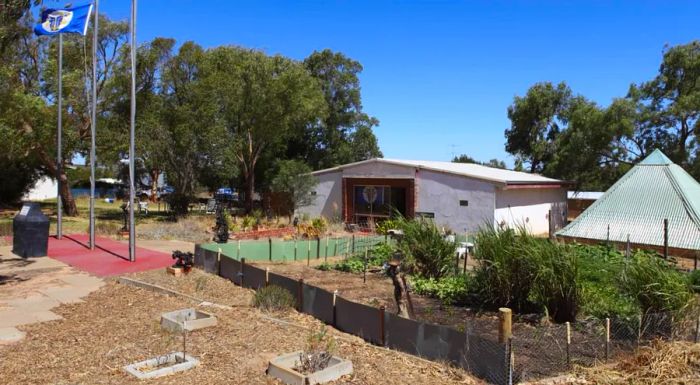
<point x="439" y="75"/>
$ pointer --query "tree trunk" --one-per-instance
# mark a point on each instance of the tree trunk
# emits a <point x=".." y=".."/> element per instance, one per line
<point x="249" y="190"/>
<point x="69" y="207"/>
<point x="154" y="184"/>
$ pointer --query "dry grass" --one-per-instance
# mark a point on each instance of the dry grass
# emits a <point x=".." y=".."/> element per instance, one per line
<point x="191" y="229"/>
<point x="660" y="363"/>
<point x="118" y="325"/>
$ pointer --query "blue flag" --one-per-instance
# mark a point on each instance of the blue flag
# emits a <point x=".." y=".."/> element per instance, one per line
<point x="64" y="20"/>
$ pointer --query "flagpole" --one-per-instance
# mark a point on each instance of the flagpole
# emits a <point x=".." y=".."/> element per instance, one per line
<point x="59" y="155"/>
<point x="132" y="129"/>
<point x="93" y="129"/>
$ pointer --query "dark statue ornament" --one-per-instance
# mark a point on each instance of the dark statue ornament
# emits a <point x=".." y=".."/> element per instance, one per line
<point x="221" y="229"/>
<point x="125" y="214"/>
<point x="185" y="261"/>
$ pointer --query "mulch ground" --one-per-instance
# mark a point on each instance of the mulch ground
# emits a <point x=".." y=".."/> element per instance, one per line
<point x="119" y="325"/>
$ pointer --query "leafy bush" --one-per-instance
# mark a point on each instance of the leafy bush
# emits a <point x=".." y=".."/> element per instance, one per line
<point x="655" y="284"/>
<point x="450" y="290"/>
<point x="319" y="224"/>
<point x="694" y="280"/>
<point x="381" y="253"/>
<point x="351" y="265"/>
<point x="247" y="222"/>
<point x="384" y="226"/>
<point x="425" y="249"/>
<point x="526" y="273"/>
<point x="273" y="298"/>
<point x="325" y="267"/>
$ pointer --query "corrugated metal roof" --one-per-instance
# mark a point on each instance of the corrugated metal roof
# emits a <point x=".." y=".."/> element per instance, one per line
<point x="584" y="195"/>
<point x="465" y="169"/>
<point x="637" y="204"/>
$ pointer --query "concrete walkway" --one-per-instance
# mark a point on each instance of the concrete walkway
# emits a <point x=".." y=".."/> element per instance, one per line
<point x="30" y="288"/>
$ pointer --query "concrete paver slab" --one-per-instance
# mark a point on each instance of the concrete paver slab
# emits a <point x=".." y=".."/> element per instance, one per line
<point x="10" y="334"/>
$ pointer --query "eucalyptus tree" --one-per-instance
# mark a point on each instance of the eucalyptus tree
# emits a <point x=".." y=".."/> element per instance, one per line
<point x="260" y="99"/>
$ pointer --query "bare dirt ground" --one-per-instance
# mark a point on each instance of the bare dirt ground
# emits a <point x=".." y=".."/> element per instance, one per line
<point x="118" y="325"/>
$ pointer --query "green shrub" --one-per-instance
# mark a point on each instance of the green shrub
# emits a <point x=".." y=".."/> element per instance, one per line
<point x="694" y="279"/>
<point x="273" y="299"/>
<point x="247" y="222"/>
<point x="655" y="284"/>
<point x="324" y="267"/>
<point x="450" y="290"/>
<point x="384" y="226"/>
<point x="382" y="252"/>
<point x="351" y="265"/>
<point x="319" y="224"/>
<point x="425" y="250"/>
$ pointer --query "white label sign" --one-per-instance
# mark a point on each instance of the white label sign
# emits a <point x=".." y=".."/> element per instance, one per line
<point x="24" y="211"/>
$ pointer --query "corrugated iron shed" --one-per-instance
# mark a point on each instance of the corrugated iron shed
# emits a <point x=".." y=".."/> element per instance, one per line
<point x="636" y="205"/>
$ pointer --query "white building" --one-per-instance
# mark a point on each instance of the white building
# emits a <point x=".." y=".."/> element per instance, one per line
<point x="460" y="196"/>
<point x="44" y="188"/>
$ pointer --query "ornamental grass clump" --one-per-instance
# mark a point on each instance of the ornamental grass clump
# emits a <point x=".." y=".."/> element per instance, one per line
<point x="426" y="251"/>
<point x="526" y="273"/>
<point x="655" y="284"/>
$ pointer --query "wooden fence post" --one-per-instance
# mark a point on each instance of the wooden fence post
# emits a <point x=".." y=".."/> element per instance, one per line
<point x="238" y="252"/>
<point x="295" y="249"/>
<point x="325" y="256"/>
<point x="505" y="316"/>
<point x="381" y="326"/>
<point x="267" y="276"/>
<point x="308" y="253"/>
<point x="218" y="262"/>
<point x="607" y="339"/>
<point x="364" y="272"/>
<point x="353" y="243"/>
<point x="568" y="343"/>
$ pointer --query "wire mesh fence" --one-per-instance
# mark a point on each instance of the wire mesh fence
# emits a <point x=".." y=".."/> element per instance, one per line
<point x="536" y="349"/>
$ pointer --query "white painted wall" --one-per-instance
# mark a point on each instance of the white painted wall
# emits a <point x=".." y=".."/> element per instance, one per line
<point x="44" y="188"/>
<point x="440" y="194"/>
<point x="378" y="170"/>
<point x="329" y="197"/>
<point x="530" y="207"/>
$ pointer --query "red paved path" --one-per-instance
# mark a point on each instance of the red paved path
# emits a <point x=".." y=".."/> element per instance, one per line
<point x="109" y="258"/>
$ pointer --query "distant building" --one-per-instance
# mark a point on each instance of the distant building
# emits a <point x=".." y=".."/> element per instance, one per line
<point x="578" y="201"/>
<point x="44" y="188"/>
<point x="636" y="206"/>
<point x="460" y="196"/>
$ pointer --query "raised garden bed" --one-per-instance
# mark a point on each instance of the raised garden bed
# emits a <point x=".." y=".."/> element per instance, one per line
<point x="282" y="368"/>
<point x="186" y="319"/>
<point x="162" y="366"/>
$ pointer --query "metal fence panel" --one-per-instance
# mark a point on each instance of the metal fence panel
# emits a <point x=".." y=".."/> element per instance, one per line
<point x="230" y="269"/>
<point x="401" y="333"/>
<point x="318" y="303"/>
<point x="358" y="319"/>
<point x="253" y="277"/>
<point x="210" y="262"/>
<point x="286" y="283"/>
<point x="199" y="256"/>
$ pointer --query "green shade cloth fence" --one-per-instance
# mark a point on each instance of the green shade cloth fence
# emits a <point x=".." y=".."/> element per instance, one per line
<point x="289" y="250"/>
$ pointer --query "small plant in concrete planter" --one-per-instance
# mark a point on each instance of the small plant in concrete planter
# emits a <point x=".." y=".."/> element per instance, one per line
<point x="316" y="364"/>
